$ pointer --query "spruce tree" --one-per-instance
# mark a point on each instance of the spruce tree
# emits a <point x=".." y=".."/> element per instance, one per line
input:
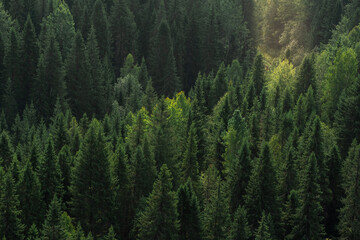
<point x="346" y="125"/>
<point x="349" y="225"/>
<point x="306" y="76"/>
<point x="78" y="78"/>
<point x="258" y="74"/>
<point x="101" y="27"/>
<point x="309" y="215"/>
<point x="240" y="229"/>
<point x="50" y="174"/>
<point x="190" y="226"/>
<point x="9" y="101"/>
<point x="29" y="60"/>
<point x="91" y="182"/>
<point x="65" y="162"/>
<point x="49" y="84"/>
<point x="190" y="164"/>
<point x="261" y="192"/>
<point x="161" y="207"/>
<point x="111" y="234"/>
<point x="10" y="223"/>
<point x="29" y="191"/>
<point x="6" y="150"/>
<point x="216" y="217"/>
<point x="263" y="231"/>
<point x="289" y="214"/>
<point x="124" y="32"/>
<point x="52" y="228"/>
<point x="3" y="73"/>
<point x="162" y="62"/>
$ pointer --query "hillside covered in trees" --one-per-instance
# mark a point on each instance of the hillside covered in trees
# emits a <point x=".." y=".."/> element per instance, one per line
<point x="179" y="119"/>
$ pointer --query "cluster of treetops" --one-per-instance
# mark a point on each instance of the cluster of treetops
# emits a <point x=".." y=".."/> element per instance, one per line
<point x="154" y="119"/>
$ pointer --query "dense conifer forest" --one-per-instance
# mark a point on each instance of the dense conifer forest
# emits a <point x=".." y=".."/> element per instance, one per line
<point x="179" y="119"/>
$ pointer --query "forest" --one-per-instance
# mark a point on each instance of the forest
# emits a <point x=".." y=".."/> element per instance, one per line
<point x="179" y="119"/>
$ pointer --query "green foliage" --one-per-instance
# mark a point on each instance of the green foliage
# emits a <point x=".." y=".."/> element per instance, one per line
<point x="190" y="164"/>
<point x="10" y="222"/>
<point x="240" y="229"/>
<point x="161" y="207"/>
<point x="91" y="182"/>
<point x="52" y="227"/>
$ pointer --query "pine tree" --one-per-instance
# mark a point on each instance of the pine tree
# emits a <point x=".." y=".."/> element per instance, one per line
<point x="10" y="223"/>
<point x="124" y="32"/>
<point x="12" y="62"/>
<point x="17" y="10"/>
<point x="289" y="214"/>
<point x="60" y="133"/>
<point x="306" y="77"/>
<point x="258" y="74"/>
<point x="101" y="26"/>
<point x="98" y="91"/>
<point x="240" y="229"/>
<point x="78" y="78"/>
<point x="161" y="205"/>
<point x="143" y="76"/>
<point x="52" y="227"/>
<point x="190" y="164"/>
<point x="349" y="225"/>
<point x="263" y="231"/>
<point x="162" y="62"/>
<point x="3" y="71"/>
<point x="219" y="86"/>
<point x="29" y="60"/>
<point x="346" y="125"/>
<point x="49" y="84"/>
<point x="91" y="182"/>
<point x="189" y="213"/>
<point x="149" y="97"/>
<point x="121" y="179"/>
<point x="29" y="191"/>
<point x="111" y="234"/>
<point x="33" y="233"/>
<point x="65" y="162"/>
<point x="9" y="101"/>
<point x="216" y="217"/>
<point x="50" y="174"/>
<point x="261" y="192"/>
<point x="6" y="150"/>
<point x="309" y="215"/>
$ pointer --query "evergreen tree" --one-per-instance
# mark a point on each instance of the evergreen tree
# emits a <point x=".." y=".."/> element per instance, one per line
<point x="6" y="150"/>
<point x="263" y="231"/>
<point x="349" y="222"/>
<point x="189" y="213"/>
<point x="52" y="227"/>
<point x="161" y="207"/>
<point x="29" y="60"/>
<point x="309" y="215"/>
<point x="65" y="162"/>
<point x="219" y="86"/>
<point x="50" y="174"/>
<point x="346" y="125"/>
<point x="306" y="77"/>
<point x="258" y="74"/>
<point x="9" y="102"/>
<point x="3" y="74"/>
<point x="78" y="78"/>
<point x="143" y="76"/>
<point x="149" y="97"/>
<point x="289" y="214"/>
<point x="90" y="183"/>
<point x="33" y="233"/>
<point x="111" y="234"/>
<point x="98" y="90"/>
<point x="261" y="192"/>
<point x="190" y="164"/>
<point x="49" y="84"/>
<point x="216" y="218"/>
<point x="240" y="229"/>
<point x="10" y="223"/>
<point x="101" y="27"/>
<point x="29" y="191"/>
<point x="162" y="62"/>
<point x="124" y="32"/>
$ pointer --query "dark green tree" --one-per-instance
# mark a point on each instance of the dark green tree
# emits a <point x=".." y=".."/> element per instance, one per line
<point x="101" y="26"/>
<point x="162" y="62"/>
<point x="349" y="222"/>
<point x="161" y="207"/>
<point x="306" y="76"/>
<point x="190" y="164"/>
<point x="263" y="232"/>
<point x="309" y="215"/>
<point x="29" y="60"/>
<point x="10" y="223"/>
<point x="91" y="183"/>
<point x="6" y="150"/>
<point x="261" y="192"/>
<point x="124" y="33"/>
<point x="29" y="190"/>
<point x="52" y="228"/>
<point x="78" y="78"/>
<point x="258" y="74"/>
<point x="189" y="213"/>
<point x="3" y="71"/>
<point x="240" y="229"/>
<point x="49" y="83"/>
<point x="50" y="174"/>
